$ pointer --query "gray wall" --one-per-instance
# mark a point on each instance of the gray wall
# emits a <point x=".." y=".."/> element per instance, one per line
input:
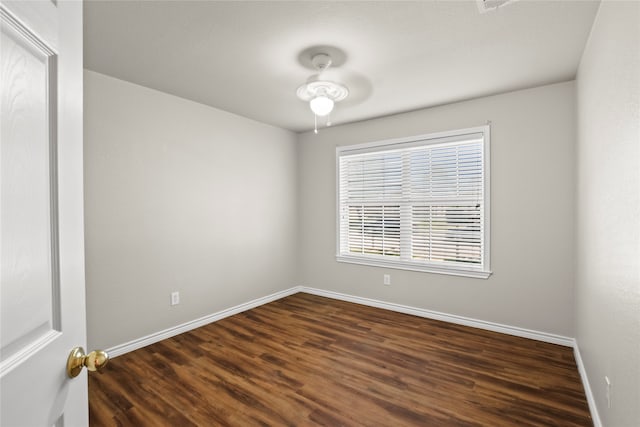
<point x="532" y="207"/>
<point x="608" y="211"/>
<point x="169" y="206"/>
<point x="180" y="197"/>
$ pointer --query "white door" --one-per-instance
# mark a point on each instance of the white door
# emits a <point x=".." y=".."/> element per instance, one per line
<point x="42" y="299"/>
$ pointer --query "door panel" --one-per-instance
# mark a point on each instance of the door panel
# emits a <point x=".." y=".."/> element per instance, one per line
<point x="42" y="313"/>
<point x="29" y="309"/>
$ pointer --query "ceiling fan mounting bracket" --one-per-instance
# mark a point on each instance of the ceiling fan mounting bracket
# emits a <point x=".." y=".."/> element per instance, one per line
<point x="321" y="61"/>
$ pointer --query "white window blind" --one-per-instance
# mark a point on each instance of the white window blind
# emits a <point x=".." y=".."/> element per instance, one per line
<point x="418" y="203"/>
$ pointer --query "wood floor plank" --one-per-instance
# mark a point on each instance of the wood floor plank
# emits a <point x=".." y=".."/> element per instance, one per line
<point x="305" y="360"/>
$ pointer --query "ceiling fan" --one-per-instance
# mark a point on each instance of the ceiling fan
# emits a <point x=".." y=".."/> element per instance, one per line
<point x="321" y="94"/>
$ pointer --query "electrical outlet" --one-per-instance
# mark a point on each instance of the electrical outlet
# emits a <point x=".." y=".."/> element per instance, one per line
<point x="609" y="387"/>
<point x="175" y="298"/>
<point x="386" y="279"/>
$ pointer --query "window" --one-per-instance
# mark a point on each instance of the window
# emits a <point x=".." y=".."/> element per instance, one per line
<point x="419" y="203"/>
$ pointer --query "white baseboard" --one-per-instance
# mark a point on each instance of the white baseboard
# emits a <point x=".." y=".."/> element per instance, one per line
<point x="451" y="318"/>
<point x="185" y="327"/>
<point x="430" y="314"/>
<point x="595" y="416"/>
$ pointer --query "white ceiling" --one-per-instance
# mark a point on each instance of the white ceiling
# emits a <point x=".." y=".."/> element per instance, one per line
<point x="249" y="57"/>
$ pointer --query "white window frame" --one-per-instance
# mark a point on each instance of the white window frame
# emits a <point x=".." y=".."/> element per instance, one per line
<point x="484" y="270"/>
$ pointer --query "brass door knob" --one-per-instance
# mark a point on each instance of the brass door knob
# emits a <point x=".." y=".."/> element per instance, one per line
<point x="94" y="361"/>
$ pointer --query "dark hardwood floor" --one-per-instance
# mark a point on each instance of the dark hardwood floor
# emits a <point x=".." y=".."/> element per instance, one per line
<point x="306" y="360"/>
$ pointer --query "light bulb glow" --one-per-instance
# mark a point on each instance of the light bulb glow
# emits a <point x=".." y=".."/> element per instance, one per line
<point x="321" y="105"/>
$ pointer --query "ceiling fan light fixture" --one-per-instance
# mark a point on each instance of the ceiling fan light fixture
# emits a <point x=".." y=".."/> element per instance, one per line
<point x="321" y="105"/>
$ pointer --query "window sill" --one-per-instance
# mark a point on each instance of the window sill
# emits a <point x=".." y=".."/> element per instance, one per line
<point x="399" y="265"/>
